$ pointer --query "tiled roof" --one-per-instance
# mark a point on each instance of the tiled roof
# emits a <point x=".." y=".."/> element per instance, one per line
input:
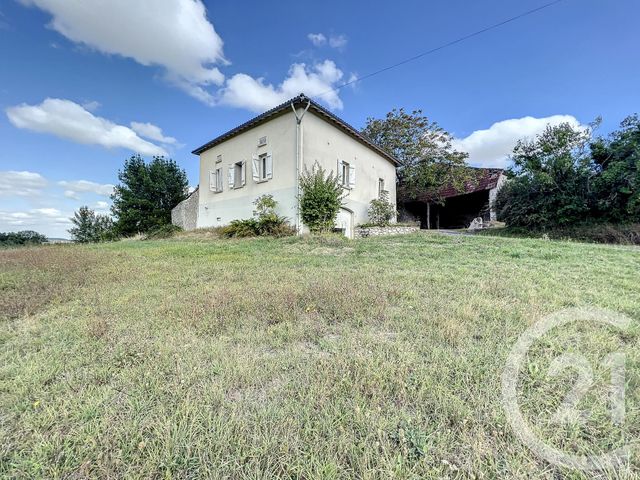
<point x="299" y="101"/>
<point x="483" y="179"/>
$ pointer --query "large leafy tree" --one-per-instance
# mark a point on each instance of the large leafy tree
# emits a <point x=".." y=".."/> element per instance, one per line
<point x="552" y="179"/>
<point x="618" y="183"/>
<point x="428" y="160"/>
<point x="147" y="193"/>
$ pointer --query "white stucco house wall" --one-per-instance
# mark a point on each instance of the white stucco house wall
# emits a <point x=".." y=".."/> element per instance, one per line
<point x="266" y="155"/>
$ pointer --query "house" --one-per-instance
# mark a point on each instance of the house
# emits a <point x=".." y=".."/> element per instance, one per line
<point x="266" y="156"/>
<point x="460" y="206"/>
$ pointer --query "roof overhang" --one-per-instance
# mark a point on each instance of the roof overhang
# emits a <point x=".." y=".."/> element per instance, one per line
<point x="299" y="101"/>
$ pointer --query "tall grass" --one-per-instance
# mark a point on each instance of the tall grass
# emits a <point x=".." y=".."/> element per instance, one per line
<point x="296" y="358"/>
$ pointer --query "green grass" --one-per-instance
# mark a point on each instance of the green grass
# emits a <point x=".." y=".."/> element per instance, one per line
<point x="301" y="358"/>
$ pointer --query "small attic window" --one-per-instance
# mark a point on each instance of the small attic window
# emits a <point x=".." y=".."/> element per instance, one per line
<point x="262" y="141"/>
<point x="218" y="158"/>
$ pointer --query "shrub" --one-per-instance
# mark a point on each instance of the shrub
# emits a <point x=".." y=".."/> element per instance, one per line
<point x="266" y="222"/>
<point x="165" y="231"/>
<point x="381" y="211"/>
<point x="240" y="228"/>
<point x="321" y="199"/>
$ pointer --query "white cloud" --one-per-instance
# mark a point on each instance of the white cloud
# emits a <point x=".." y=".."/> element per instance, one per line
<point x="83" y="186"/>
<point x="318" y="39"/>
<point x="100" y="205"/>
<point x="177" y="36"/>
<point x="22" y="184"/>
<point x="152" y="132"/>
<point x="173" y="34"/>
<point x="67" y="119"/>
<point x="92" y="106"/>
<point x="71" y="194"/>
<point x="49" y="221"/>
<point x="334" y="41"/>
<point x="47" y="212"/>
<point x="254" y="94"/>
<point x="492" y="147"/>
<point x="338" y="41"/>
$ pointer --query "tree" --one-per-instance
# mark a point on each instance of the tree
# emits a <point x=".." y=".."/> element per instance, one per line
<point x="427" y="160"/>
<point x="617" y="186"/>
<point x="90" y="228"/>
<point x="146" y="194"/>
<point x="551" y="180"/>
<point x="24" y="237"/>
<point x="321" y="198"/>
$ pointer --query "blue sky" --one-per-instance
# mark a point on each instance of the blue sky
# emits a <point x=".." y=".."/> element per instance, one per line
<point x="84" y="84"/>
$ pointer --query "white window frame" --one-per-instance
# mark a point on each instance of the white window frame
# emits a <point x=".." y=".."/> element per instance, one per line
<point x="382" y="191"/>
<point x="218" y="185"/>
<point x="239" y="174"/>
<point x="262" y="167"/>
<point x="346" y="174"/>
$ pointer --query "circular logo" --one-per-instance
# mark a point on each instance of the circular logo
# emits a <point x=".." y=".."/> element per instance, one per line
<point x="602" y="461"/>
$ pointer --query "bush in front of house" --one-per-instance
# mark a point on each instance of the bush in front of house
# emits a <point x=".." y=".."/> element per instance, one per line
<point x="381" y="212"/>
<point x="265" y="222"/>
<point x="321" y="199"/>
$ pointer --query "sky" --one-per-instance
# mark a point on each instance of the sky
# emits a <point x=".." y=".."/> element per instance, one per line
<point x="84" y="84"/>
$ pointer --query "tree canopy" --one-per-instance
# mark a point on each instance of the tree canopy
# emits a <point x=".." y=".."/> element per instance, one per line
<point x="146" y="194"/>
<point x="89" y="227"/>
<point x="617" y="159"/>
<point x="565" y="177"/>
<point x="24" y="237"/>
<point x="428" y="162"/>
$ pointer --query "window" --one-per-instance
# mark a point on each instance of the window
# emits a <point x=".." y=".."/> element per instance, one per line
<point x="346" y="174"/>
<point x="262" y="167"/>
<point x="262" y="141"/>
<point x="237" y="175"/>
<point x="382" y="193"/>
<point x="215" y="180"/>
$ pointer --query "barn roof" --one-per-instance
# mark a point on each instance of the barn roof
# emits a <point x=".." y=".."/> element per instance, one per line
<point x="481" y="179"/>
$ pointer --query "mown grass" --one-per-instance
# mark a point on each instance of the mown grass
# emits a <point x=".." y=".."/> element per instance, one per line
<point x="301" y="358"/>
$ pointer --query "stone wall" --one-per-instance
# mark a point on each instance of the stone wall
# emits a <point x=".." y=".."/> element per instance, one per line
<point x="185" y="214"/>
<point x="364" y="232"/>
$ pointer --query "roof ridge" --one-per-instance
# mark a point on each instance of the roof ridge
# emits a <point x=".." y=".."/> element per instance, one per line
<point x="299" y="99"/>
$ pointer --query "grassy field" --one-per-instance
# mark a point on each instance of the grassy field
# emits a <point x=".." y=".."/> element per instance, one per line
<point x="303" y="357"/>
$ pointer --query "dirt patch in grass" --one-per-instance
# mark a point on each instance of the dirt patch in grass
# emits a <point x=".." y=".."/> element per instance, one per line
<point x="32" y="278"/>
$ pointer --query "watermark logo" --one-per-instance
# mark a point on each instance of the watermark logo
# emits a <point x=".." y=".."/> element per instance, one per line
<point x="568" y="411"/>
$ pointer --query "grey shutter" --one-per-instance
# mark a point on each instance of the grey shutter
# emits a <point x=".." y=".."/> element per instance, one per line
<point x="212" y="181"/>
<point x="269" y="166"/>
<point x="352" y="176"/>
<point x="232" y="178"/>
<point x="255" y="168"/>
<point x="339" y="173"/>
<point x="244" y="173"/>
